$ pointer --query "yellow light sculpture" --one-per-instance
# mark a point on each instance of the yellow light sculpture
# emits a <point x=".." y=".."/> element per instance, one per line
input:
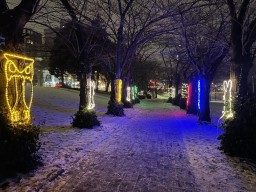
<point x="227" y="97"/>
<point x="91" y="94"/>
<point x="128" y="92"/>
<point x="18" y="70"/>
<point x="118" y="84"/>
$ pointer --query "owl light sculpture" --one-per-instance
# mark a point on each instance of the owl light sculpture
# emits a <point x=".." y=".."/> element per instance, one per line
<point x="19" y="71"/>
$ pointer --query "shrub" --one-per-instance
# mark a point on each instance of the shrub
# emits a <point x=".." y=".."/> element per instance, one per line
<point x="136" y="100"/>
<point x="18" y="147"/>
<point x="239" y="137"/>
<point x="169" y="100"/>
<point x="115" y="109"/>
<point x="127" y="104"/>
<point x="85" y="119"/>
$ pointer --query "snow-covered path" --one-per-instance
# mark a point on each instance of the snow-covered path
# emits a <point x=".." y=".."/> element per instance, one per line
<point x="155" y="147"/>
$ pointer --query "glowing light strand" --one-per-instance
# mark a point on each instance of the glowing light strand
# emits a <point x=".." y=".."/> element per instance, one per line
<point x="227" y="109"/>
<point x="132" y="93"/>
<point x="189" y="94"/>
<point x="135" y="90"/>
<point x="91" y="103"/>
<point x="128" y="94"/>
<point x="19" y="69"/>
<point x="118" y="90"/>
<point x="173" y="92"/>
<point x="199" y="94"/>
<point x="184" y="90"/>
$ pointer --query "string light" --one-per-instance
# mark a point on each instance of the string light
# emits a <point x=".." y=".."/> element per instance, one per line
<point x="199" y="94"/>
<point x="135" y="91"/>
<point x="184" y="90"/>
<point x="18" y="69"/>
<point x="128" y="93"/>
<point x="132" y="93"/>
<point x="91" y="93"/>
<point x="189" y="93"/>
<point x="118" y="90"/>
<point x="227" y="111"/>
<point x="173" y="92"/>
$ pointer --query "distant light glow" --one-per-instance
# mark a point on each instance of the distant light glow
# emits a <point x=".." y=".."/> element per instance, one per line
<point x="128" y="94"/>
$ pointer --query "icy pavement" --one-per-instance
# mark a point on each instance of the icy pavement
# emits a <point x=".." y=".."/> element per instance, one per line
<point x="155" y="147"/>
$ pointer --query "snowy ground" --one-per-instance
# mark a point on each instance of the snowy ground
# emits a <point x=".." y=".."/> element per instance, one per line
<point x="155" y="147"/>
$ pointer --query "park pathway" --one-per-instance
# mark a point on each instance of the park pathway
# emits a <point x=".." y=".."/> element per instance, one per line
<point x="156" y="147"/>
<point x="146" y="152"/>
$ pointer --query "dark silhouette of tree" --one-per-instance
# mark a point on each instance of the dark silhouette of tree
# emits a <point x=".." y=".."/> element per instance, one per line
<point x="243" y="38"/>
<point x="204" y="39"/>
<point x="62" y="61"/>
<point x="12" y="21"/>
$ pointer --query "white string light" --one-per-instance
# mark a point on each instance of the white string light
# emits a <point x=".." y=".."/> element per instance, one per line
<point x="91" y="93"/>
<point x="128" y="92"/>
<point x="227" y="109"/>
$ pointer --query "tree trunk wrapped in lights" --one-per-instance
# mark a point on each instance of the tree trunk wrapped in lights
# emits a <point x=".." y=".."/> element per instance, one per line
<point x="128" y="94"/>
<point x="90" y="93"/>
<point x="115" y="108"/>
<point x="204" y="99"/>
<point x="118" y="89"/>
<point x="227" y="112"/>
<point x="192" y="100"/>
<point x="184" y="95"/>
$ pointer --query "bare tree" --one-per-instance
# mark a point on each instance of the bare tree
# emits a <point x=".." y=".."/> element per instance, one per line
<point x="243" y="39"/>
<point x="204" y="39"/>
<point x="12" y="21"/>
<point x="131" y="25"/>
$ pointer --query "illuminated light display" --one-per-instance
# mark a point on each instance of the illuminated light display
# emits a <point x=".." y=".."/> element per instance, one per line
<point x="18" y="71"/>
<point x="173" y="92"/>
<point x="118" y="84"/>
<point x="199" y="94"/>
<point x="227" y="97"/>
<point x="128" y="93"/>
<point x="184" y="90"/>
<point x="135" y="91"/>
<point x="189" y="93"/>
<point x="91" y="89"/>
<point x="152" y="84"/>
<point x="132" y="93"/>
